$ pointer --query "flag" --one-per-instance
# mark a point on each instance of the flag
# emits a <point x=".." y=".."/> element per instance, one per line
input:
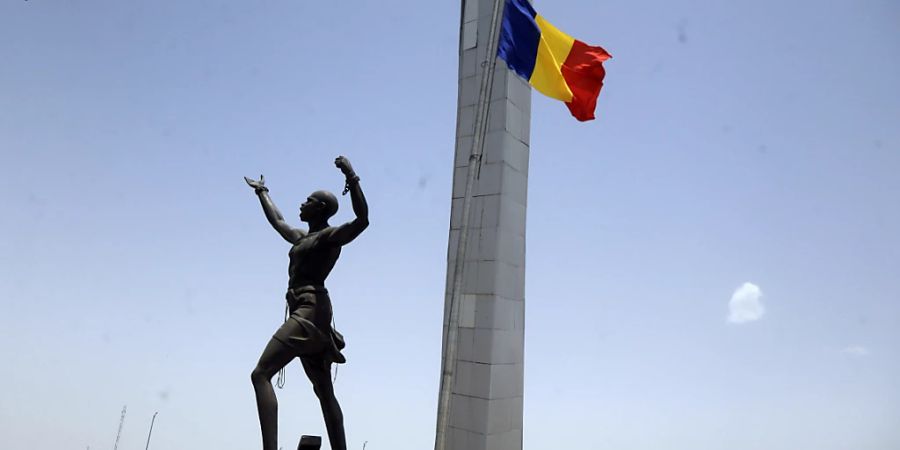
<point x="554" y="63"/>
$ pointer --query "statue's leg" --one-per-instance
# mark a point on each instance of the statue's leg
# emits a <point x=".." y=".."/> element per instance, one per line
<point x="274" y="357"/>
<point x="319" y="373"/>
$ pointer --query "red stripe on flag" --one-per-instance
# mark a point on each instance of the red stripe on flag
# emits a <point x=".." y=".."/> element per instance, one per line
<point x="583" y="72"/>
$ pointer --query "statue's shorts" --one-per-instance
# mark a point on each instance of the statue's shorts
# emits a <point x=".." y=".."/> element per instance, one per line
<point x="308" y="331"/>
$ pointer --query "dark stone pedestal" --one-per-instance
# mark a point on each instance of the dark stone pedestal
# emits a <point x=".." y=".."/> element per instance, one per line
<point x="310" y="443"/>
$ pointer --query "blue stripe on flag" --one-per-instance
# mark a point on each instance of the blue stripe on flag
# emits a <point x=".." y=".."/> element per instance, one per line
<point x="519" y="37"/>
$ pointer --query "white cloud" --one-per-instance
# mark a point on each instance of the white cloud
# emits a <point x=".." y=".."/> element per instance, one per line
<point x="856" y="350"/>
<point x="745" y="304"/>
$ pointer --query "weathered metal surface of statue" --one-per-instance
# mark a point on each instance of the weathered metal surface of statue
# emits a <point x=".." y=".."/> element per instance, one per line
<point x="307" y="333"/>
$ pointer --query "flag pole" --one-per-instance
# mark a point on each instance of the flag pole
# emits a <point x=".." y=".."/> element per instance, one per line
<point x="151" y="430"/>
<point x="448" y="369"/>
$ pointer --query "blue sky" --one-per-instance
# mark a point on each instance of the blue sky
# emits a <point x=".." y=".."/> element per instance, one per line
<point x="736" y="142"/>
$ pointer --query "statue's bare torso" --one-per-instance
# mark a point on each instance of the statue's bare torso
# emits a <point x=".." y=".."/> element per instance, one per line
<point x="311" y="260"/>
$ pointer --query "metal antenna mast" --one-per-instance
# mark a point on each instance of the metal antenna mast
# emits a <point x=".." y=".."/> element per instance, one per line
<point x="121" y="421"/>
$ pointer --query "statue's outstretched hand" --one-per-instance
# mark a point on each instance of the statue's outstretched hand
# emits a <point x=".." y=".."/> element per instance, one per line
<point x="257" y="185"/>
<point x="344" y="164"/>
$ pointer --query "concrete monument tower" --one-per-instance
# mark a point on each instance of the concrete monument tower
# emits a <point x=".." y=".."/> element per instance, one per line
<point x="480" y="407"/>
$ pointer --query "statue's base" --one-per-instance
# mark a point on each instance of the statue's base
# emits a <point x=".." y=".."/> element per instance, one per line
<point x="310" y="443"/>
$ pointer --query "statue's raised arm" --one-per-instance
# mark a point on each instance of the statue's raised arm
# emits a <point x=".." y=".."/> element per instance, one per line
<point x="347" y="232"/>
<point x="274" y="216"/>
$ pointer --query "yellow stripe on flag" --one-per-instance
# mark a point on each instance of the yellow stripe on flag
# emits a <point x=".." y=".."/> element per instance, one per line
<point x="552" y="52"/>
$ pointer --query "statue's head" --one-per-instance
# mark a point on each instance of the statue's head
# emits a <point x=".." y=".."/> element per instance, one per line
<point x="320" y="205"/>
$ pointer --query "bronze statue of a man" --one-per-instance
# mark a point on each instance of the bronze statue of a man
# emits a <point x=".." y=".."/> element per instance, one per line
<point x="307" y="333"/>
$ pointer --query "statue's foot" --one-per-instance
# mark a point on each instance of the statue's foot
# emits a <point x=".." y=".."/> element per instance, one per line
<point x="310" y="443"/>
